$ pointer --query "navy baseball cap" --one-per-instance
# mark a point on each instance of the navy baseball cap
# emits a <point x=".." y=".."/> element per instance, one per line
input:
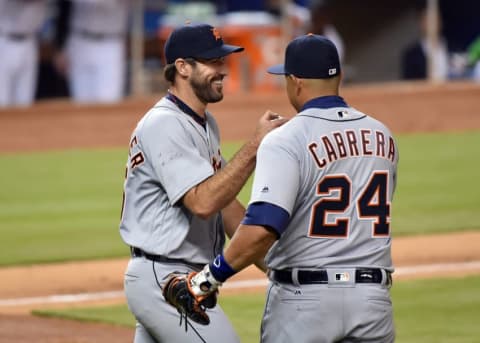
<point x="197" y="41"/>
<point x="309" y="57"/>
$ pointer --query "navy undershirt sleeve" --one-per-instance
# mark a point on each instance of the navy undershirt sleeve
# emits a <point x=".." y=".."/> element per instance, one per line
<point x="266" y="214"/>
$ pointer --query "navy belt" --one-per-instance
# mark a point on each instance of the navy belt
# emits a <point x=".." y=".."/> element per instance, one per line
<point x="306" y="277"/>
<point x="137" y="252"/>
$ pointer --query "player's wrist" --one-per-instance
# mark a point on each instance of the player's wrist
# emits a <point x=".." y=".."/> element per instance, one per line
<point x="211" y="277"/>
<point x="220" y="269"/>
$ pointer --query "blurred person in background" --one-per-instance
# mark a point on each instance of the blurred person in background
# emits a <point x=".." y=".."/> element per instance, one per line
<point x="94" y="54"/>
<point x="321" y="24"/>
<point x="414" y="56"/>
<point x="473" y="51"/>
<point x="51" y="83"/>
<point x="20" y="22"/>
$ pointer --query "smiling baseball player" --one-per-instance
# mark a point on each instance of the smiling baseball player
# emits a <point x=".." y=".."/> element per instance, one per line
<point x="179" y="199"/>
<point x="319" y="211"/>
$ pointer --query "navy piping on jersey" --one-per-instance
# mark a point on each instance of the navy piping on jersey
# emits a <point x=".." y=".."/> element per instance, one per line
<point x="344" y="120"/>
<point x="324" y="102"/>
<point x="328" y="101"/>
<point x="187" y="110"/>
<point x="266" y="214"/>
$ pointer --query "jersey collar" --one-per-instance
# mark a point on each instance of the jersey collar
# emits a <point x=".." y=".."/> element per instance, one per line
<point x="187" y="109"/>
<point x="328" y="101"/>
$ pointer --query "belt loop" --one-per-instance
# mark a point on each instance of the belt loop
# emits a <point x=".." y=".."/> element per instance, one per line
<point x="295" y="277"/>
<point x="385" y="278"/>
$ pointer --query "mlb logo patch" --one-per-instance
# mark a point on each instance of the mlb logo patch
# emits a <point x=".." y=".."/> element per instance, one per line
<point x="332" y="71"/>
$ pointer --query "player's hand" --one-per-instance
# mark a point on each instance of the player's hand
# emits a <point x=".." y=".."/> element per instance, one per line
<point x="203" y="283"/>
<point x="178" y="293"/>
<point x="268" y="121"/>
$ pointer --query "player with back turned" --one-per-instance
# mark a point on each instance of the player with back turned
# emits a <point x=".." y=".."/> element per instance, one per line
<point x="180" y="195"/>
<point x="319" y="213"/>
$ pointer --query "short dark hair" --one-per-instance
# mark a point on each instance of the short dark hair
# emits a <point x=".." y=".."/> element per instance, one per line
<point x="169" y="71"/>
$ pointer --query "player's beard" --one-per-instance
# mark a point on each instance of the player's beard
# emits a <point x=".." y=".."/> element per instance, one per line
<point x="206" y="90"/>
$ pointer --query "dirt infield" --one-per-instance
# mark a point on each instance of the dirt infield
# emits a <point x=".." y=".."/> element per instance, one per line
<point x="409" y="107"/>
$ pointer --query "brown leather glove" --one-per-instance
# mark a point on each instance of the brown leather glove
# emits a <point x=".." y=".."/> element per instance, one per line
<point x="177" y="293"/>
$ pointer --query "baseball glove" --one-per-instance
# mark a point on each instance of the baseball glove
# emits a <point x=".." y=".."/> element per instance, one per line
<point x="177" y="293"/>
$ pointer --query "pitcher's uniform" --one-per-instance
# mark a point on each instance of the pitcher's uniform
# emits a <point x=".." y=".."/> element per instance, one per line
<point x="20" y="22"/>
<point x="171" y="151"/>
<point x="332" y="170"/>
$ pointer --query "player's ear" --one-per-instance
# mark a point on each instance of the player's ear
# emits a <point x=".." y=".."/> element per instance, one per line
<point x="182" y="67"/>
<point x="298" y="84"/>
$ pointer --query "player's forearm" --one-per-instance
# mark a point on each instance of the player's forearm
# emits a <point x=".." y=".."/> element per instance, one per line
<point x="226" y="184"/>
<point x="215" y="193"/>
<point x="249" y="245"/>
<point x="232" y="216"/>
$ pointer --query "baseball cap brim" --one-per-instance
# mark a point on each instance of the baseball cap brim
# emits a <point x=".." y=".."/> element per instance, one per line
<point x="278" y="69"/>
<point x="219" y="51"/>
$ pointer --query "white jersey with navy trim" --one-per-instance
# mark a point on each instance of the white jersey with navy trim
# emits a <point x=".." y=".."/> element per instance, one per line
<point x="334" y="171"/>
<point x="169" y="154"/>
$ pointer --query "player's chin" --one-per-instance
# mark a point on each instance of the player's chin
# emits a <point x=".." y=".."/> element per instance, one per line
<point x="217" y="93"/>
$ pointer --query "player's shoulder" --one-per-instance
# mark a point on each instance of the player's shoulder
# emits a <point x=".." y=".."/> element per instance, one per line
<point x="377" y="124"/>
<point x="286" y="135"/>
<point x="162" y="120"/>
<point x="163" y="113"/>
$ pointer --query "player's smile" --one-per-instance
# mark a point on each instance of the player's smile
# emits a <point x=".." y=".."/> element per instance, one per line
<point x="217" y="82"/>
<point x="208" y="89"/>
<point x="217" y="66"/>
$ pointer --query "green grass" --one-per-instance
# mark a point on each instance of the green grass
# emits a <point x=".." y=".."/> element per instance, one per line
<point x="438" y="310"/>
<point x="60" y="205"/>
<point x="426" y="311"/>
<point x="438" y="188"/>
<point x="65" y="205"/>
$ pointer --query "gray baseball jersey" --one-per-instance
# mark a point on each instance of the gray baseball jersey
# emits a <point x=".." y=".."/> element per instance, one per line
<point x="171" y="151"/>
<point x="169" y="154"/>
<point x="324" y="182"/>
<point x="333" y="170"/>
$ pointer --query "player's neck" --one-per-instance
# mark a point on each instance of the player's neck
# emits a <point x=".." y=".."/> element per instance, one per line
<point x="307" y="96"/>
<point x="190" y="99"/>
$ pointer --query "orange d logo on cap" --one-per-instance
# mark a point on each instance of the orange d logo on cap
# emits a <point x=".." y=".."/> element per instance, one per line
<point x="216" y="33"/>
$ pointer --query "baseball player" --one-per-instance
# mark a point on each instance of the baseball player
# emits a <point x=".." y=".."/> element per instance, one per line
<point x="179" y="198"/>
<point x="20" y="21"/>
<point x="95" y="54"/>
<point x="319" y="211"/>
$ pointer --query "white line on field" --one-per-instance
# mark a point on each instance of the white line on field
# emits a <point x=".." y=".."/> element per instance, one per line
<point x="71" y="298"/>
<point x="64" y="298"/>
<point x="438" y="267"/>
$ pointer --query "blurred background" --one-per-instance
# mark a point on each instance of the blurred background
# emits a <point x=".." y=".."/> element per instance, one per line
<point x="101" y="51"/>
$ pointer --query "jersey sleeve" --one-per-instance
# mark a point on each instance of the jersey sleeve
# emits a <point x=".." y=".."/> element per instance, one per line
<point x="174" y="156"/>
<point x="277" y="176"/>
